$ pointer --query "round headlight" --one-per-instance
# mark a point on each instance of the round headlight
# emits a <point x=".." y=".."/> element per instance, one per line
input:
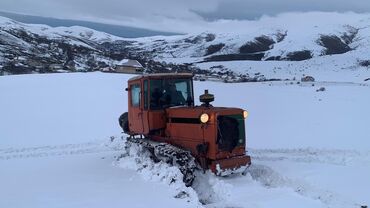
<point x="245" y="114"/>
<point x="204" y="118"/>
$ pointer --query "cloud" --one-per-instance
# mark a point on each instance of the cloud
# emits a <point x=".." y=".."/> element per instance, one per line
<point x="173" y="15"/>
<point x="111" y="9"/>
<point x="140" y="13"/>
<point x="253" y="9"/>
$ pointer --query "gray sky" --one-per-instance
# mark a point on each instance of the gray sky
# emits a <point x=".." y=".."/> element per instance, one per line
<point x="174" y="15"/>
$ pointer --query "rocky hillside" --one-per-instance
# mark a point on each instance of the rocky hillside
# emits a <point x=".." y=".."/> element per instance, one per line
<point x="290" y="37"/>
<point x="27" y="48"/>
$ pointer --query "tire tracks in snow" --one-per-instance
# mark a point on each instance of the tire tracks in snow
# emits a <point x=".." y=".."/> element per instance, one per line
<point x="213" y="190"/>
<point x="311" y="155"/>
<point x="216" y="191"/>
<point x="272" y="179"/>
<point x="58" y="150"/>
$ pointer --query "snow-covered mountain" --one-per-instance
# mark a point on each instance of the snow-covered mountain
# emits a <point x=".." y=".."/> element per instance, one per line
<point x="286" y="37"/>
<point x="264" y="47"/>
<point x="27" y="48"/>
<point x="117" y="30"/>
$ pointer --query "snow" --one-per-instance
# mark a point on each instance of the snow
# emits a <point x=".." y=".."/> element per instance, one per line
<point x="123" y="61"/>
<point x="291" y="32"/>
<point x="301" y="32"/>
<point x="128" y="62"/>
<point x="85" y="180"/>
<point x="338" y="68"/>
<point x="61" y="106"/>
<point x="59" y="32"/>
<point x="292" y="116"/>
<point x="137" y="159"/>
<point x="60" y="146"/>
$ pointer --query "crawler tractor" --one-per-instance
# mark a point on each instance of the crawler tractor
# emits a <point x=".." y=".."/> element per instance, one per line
<point x="162" y="117"/>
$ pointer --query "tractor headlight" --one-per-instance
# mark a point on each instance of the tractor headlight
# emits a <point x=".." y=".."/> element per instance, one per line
<point x="204" y="118"/>
<point x="245" y="114"/>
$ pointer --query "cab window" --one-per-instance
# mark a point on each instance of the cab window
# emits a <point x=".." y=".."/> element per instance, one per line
<point x="166" y="93"/>
<point x="135" y="95"/>
<point x="155" y="94"/>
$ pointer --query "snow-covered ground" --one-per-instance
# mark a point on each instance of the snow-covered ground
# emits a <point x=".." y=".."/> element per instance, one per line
<point x="309" y="149"/>
<point x="335" y="68"/>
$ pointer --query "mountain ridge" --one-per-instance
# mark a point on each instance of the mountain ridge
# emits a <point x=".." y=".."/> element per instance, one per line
<point x="30" y="48"/>
<point x="117" y="30"/>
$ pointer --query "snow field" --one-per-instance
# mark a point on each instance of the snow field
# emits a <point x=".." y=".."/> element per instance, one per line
<point x="60" y="141"/>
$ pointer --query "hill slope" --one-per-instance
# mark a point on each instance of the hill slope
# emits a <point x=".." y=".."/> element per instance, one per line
<point x="121" y="31"/>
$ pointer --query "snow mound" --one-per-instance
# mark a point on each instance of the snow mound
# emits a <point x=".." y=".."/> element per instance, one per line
<point x="137" y="158"/>
<point x="211" y="189"/>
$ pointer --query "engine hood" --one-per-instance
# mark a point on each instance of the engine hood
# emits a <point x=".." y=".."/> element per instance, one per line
<point x="197" y="111"/>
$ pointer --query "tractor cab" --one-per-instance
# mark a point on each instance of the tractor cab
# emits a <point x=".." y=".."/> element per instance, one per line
<point x="150" y="95"/>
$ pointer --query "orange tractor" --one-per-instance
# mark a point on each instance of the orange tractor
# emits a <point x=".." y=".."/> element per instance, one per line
<point x="162" y="117"/>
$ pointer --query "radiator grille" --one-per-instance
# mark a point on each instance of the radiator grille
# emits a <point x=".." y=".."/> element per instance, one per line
<point x="230" y="132"/>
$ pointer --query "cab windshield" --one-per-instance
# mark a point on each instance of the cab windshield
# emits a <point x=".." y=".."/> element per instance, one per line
<point x="166" y="93"/>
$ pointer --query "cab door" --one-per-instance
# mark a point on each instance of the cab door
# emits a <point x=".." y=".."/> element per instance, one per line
<point x="135" y="113"/>
<point x="145" y="107"/>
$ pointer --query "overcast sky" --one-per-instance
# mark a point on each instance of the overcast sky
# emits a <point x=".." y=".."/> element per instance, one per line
<point x="174" y="15"/>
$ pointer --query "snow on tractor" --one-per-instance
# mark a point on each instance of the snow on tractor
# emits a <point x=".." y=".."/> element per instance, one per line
<point x="162" y="117"/>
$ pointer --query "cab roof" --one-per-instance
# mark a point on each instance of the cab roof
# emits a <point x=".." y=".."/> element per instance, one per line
<point x="162" y="75"/>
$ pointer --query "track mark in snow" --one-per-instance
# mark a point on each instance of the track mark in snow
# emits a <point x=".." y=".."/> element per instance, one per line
<point x="56" y="150"/>
<point x="216" y="191"/>
<point x="213" y="191"/>
<point x="271" y="179"/>
<point x="310" y="155"/>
